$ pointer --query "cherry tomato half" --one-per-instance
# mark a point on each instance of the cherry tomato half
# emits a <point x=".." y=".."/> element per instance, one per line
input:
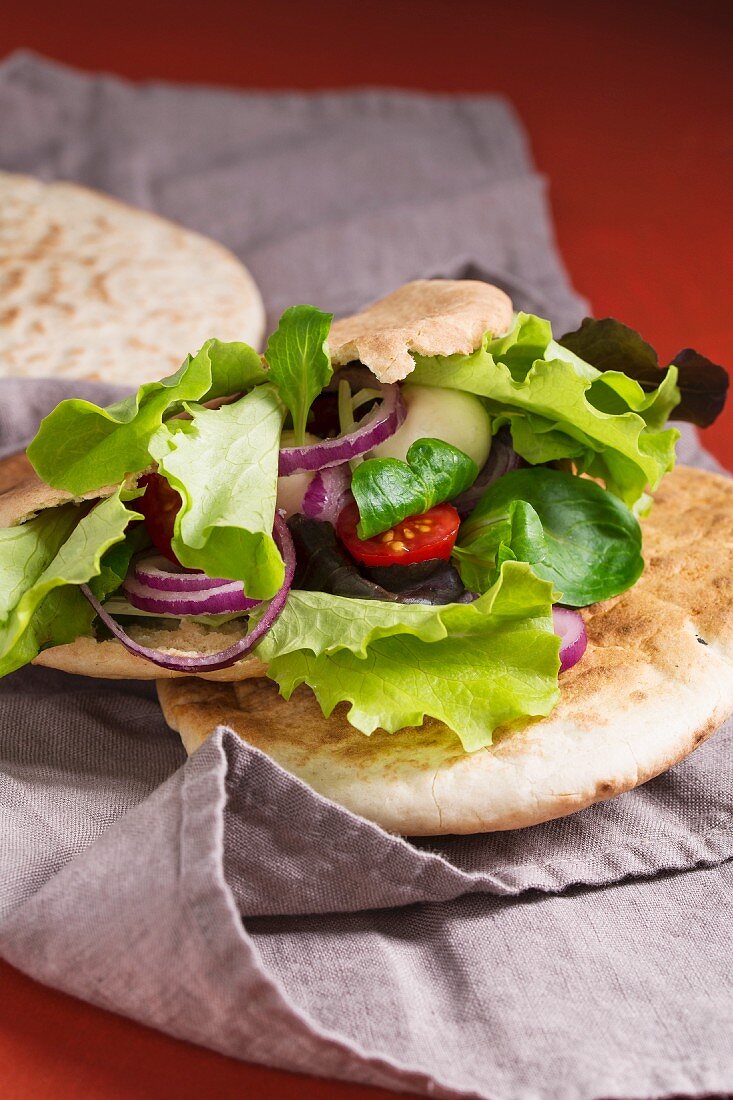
<point x="418" y="538"/>
<point x="159" y="505"/>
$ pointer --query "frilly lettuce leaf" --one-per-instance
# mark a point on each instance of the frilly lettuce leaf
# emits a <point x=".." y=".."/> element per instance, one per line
<point x="224" y="463"/>
<point x="41" y="563"/>
<point x="471" y="666"/>
<point x="324" y="623"/>
<point x="80" y="447"/>
<point x="557" y="406"/>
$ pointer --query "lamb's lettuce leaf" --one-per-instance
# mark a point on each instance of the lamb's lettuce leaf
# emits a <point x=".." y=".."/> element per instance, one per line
<point x="588" y="542"/>
<point x="80" y="447"/>
<point x="42" y="563"/>
<point x="472" y="666"/>
<point x="300" y="366"/>
<point x="223" y="462"/>
<point x="388" y="490"/>
<point x="558" y="406"/>
<point x="511" y="532"/>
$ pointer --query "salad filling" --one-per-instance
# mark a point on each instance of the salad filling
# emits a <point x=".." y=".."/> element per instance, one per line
<point x="408" y="548"/>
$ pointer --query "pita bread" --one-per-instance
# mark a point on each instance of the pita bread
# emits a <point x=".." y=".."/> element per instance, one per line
<point x="91" y="288"/>
<point x="656" y="680"/>
<point x="13" y="470"/>
<point x="109" y="660"/>
<point x="429" y="317"/>
<point x="25" y="498"/>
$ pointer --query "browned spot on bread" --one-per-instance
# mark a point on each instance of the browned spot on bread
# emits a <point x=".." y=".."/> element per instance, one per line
<point x="13" y="279"/>
<point x="45" y="245"/>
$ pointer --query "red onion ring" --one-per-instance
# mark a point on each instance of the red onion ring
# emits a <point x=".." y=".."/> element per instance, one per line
<point x="225" y="657"/>
<point x="328" y="494"/>
<point x="155" y="571"/>
<point x="502" y="459"/>
<point x="379" y="424"/>
<point x="227" y="599"/>
<point x="570" y="629"/>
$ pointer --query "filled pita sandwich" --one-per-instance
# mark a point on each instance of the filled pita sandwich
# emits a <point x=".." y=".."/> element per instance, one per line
<point x="438" y="561"/>
<point x="92" y="288"/>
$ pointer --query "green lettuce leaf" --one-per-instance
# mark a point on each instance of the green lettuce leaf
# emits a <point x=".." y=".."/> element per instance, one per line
<point x="513" y="533"/>
<point x="42" y="562"/>
<point x="557" y="406"/>
<point x="388" y="490"/>
<point x="300" y="366"/>
<point x="224" y="463"/>
<point x="324" y="623"/>
<point x="80" y="447"/>
<point x="472" y="666"/>
<point x="591" y="543"/>
<point x="116" y="561"/>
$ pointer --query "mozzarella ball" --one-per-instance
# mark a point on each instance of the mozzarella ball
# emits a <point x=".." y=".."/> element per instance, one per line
<point x="434" y="413"/>
<point x="292" y="489"/>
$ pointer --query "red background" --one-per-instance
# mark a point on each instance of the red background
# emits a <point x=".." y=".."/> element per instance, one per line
<point x="628" y="108"/>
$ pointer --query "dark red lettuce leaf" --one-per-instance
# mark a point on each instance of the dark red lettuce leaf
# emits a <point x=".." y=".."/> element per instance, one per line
<point x="608" y="344"/>
<point x="324" y="566"/>
<point x="703" y="385"/>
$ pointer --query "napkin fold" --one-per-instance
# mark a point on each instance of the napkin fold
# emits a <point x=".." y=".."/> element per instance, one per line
<point x="219" y="898"/>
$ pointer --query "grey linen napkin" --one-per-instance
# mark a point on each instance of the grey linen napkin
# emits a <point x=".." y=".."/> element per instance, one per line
<point x="219" y="898"/>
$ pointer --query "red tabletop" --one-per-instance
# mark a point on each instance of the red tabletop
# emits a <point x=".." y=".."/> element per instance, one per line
<point x="627" y="106"/>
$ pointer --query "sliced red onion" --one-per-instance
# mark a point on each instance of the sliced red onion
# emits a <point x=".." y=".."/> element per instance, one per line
<point x="379" y="424"/>
<point x="570" y="629"/>
<point x="155" y="571"/>
<point x="328" y="493"/>
<point x="356" y="374"/>
<point x="227" y="599"/>
<point x="225" y="657"/>
<point x="502" y="459"/>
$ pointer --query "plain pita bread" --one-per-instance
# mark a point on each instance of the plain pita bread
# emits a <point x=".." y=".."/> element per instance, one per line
<point x="656" y="680"/>
<point x="428" y="317"/>
<point x="91" y="288"/>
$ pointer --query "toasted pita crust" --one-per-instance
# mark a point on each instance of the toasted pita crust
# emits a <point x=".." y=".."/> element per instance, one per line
<point x="111" y="661"/>
<point x="656" y="680"/>
<point x="24" y="498"/>
<point x="13" y="471"/>
<point x="429" y="317"/>
<point x="91" y="288"/>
